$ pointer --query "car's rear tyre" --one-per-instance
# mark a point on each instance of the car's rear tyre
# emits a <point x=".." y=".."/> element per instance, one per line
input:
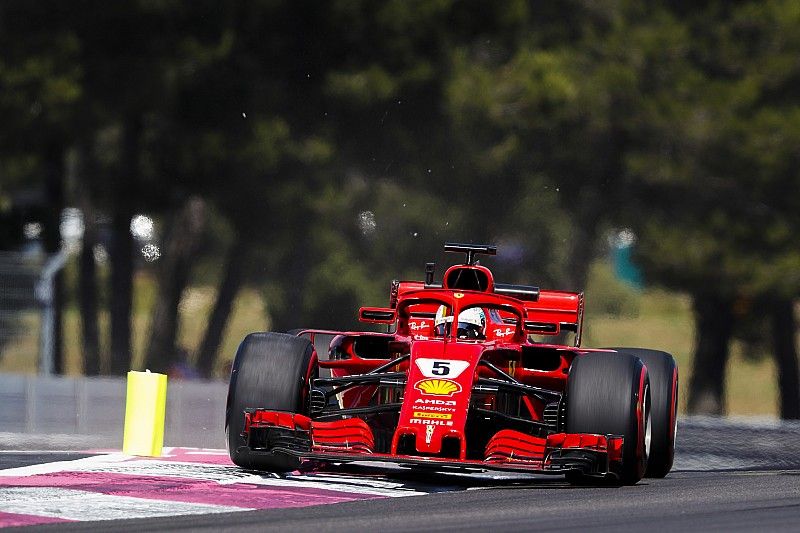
<point x="270" y="371"/>
<point x="663" y="374"/>
<point x="608" y="394"/>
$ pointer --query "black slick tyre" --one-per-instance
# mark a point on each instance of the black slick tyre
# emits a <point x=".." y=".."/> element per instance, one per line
<point x="663" y="372"/>
<point x="608" y="394"/>
<point x="270" y="371"/>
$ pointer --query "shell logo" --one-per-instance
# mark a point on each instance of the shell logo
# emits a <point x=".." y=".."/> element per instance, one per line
<point x="438" y="387"/>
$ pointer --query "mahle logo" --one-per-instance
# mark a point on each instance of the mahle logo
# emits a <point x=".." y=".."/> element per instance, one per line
<point x="438" y="387"/>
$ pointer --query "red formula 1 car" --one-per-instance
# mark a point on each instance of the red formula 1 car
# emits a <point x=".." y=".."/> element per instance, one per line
<point x="460" y="380"/>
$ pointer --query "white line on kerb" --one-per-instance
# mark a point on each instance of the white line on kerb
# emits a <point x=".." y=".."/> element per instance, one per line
<point x="75" y="465"/>
<point x="70" y="504"/>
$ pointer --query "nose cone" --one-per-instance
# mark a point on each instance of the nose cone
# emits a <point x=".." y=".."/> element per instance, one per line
<point x="436" y="399"/>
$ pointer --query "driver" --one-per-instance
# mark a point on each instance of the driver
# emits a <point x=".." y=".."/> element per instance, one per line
<point x="471" y="323"/>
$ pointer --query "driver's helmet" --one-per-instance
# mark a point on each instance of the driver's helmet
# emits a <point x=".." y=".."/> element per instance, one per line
<point x="471" y="323"/>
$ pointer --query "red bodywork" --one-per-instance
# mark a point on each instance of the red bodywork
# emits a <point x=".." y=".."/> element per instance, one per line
<point x="411" y="397"/>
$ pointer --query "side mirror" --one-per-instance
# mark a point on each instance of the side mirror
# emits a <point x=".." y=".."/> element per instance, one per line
<point x="377" y="315"/>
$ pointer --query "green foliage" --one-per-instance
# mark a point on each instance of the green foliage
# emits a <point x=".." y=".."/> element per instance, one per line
<point x="368" y="86"/>
<point x="721" y="157"/>
<point x="344" y="142"/>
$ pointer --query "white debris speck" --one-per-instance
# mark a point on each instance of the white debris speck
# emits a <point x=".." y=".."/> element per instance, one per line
<point x="366" y="222"/>
<point x="151" y="253"/>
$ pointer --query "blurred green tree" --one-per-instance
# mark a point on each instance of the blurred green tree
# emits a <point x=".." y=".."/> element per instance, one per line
<point x="710" y="180"/>
<point x="548" y="115"/>
<point x="40" y="77"/>
<point x="342" y="143"/>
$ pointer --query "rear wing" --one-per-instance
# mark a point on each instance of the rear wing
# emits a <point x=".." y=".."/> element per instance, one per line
<point x="555" y="311"/>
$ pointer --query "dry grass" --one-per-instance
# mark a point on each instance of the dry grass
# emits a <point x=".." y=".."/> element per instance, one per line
<point x="651" y="319"/>
<point x="664" y="322"/>
<point x="248" y="315"/>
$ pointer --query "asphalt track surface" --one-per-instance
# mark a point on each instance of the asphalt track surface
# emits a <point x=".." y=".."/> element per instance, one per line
<point x="729" y="476"/>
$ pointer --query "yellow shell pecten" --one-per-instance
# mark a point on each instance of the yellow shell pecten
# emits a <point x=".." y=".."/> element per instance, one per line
<point x="438" y="387"/>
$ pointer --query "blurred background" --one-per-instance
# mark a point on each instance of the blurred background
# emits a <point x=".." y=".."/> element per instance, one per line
<point x="174" y="175"/>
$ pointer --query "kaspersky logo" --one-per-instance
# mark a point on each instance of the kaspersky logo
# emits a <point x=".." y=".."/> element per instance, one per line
<point x="437" y="387"/>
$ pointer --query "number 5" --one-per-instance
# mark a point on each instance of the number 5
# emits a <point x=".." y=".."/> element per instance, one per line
<point x="440" y="368"/>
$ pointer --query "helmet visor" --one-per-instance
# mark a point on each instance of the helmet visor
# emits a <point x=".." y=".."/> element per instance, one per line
<point x="467" y="330"/>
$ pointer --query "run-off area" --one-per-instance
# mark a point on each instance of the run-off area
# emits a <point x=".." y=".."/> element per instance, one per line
<point x="112" y="486"/>
<point x="188" y="481"/>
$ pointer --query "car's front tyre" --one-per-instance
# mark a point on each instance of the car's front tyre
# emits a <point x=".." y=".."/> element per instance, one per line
<point x="608" y="394"/>
<point x="270" y="371"/>
<point x="663" y="372"/>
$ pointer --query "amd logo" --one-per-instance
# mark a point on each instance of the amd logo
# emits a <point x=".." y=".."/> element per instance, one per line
<point x="426" y="401"/>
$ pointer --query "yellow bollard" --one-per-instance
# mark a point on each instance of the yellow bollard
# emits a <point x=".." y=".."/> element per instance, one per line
<point x="145" y="407"/>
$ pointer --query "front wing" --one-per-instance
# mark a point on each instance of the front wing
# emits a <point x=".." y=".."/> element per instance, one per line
<point x="349" y="440"/>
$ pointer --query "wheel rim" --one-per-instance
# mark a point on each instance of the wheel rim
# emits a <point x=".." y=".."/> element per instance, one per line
<point x="675" y="411"/>
<point x="675" y="426"/>
<point x="646" y="419"/>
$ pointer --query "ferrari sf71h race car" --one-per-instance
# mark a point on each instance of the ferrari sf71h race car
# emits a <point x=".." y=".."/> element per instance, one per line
<point x="461" y="380"/>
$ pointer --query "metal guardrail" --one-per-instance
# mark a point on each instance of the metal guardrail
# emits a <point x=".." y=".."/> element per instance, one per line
<point x="44" y="412"/>
<point x="94" y="408"/>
